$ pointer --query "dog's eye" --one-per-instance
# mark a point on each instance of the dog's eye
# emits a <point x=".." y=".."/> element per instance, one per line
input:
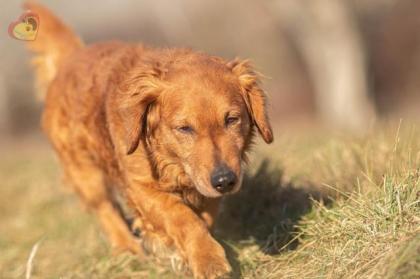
<point x="230" y="120"/>
<point x="185" y="129"/>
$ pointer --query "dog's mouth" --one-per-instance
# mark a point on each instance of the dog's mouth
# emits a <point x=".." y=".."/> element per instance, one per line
<point x="207" y="191"/>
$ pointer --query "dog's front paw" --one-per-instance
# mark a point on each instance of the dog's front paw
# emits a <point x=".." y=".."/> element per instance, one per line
<point x="209" y="261"/>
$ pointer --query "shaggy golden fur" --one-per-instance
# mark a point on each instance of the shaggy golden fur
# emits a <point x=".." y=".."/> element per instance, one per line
<point x="154" y="125"/>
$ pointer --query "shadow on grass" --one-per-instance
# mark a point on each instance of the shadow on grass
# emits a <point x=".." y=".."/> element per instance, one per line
<point x="266" y="211"/>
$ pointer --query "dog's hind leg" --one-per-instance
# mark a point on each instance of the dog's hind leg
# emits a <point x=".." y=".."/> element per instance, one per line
<point x="89" y="182"/>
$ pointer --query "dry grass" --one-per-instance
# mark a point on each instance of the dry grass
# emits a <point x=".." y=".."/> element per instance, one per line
<point x="313" y="206"/>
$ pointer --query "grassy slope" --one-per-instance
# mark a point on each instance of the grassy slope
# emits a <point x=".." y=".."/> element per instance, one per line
<point x="313" y="206"/>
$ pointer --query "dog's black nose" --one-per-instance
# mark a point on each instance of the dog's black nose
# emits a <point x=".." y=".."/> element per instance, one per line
<point x="223" y="179"/>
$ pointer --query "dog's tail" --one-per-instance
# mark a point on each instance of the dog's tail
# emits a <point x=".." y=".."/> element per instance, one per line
<point x="54" y="42"/>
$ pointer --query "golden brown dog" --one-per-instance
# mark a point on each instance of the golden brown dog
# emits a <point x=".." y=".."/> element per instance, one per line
<point x="167" y="128"/>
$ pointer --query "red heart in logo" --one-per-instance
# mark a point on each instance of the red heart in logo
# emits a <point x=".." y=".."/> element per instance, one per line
<point x="26" y="27"/>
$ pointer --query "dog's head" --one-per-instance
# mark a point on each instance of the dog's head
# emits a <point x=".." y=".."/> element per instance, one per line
<point x="197" y="115"/>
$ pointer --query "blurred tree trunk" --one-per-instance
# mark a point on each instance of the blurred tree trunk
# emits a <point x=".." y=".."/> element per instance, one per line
<point x="4" y="113"/>
<point x="327" y="35"/>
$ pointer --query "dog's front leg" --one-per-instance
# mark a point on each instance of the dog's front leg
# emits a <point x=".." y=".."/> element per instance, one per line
<point x="209" y="211"/>
<point x="168" y="213"/>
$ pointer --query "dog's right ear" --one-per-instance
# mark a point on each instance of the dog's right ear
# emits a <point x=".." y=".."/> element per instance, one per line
<point x="136" y="98"/>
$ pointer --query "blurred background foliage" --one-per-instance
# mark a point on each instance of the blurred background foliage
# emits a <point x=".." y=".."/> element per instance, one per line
<point x="344" y="64"/>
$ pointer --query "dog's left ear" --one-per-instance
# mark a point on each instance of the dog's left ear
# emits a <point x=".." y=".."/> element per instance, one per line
<point x="253" y="95"/>
<point x="137" y="103"/>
